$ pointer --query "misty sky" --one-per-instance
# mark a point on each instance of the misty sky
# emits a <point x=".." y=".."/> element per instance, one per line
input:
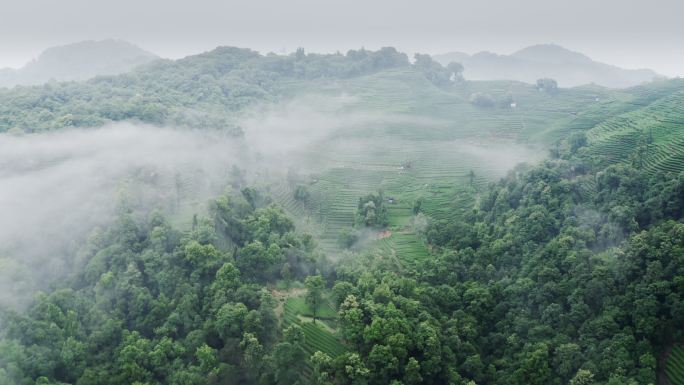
<point x="628" y="33"/>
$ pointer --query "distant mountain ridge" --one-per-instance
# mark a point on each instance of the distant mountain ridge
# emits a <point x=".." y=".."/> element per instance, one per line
<point x="567" y="67"/>
<point x="78" y="61"/>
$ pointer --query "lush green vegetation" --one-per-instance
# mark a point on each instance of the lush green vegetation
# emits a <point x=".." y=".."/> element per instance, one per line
<point x="155" y="305"/>
<point x="538" y="285"/>
<point x="319" y="336"/>
<point x="201" y="91"/>
<point x="651" y="137"/>
<point x="567" y="271"/>
<point x="372" y="210"/>
<point x="299" y="306"/>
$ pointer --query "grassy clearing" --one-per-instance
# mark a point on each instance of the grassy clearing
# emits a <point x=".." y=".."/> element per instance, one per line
<point x="297" y="305"/>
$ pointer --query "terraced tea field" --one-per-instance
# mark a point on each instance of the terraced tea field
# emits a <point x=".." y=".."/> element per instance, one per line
<point x="652" y="136"/>
<point x="407" y="248"/>
<point x="318" y="336"/>
<point x="436" y="172"/>
<point x="675" y="366"/>
<point x="417" y="142"/>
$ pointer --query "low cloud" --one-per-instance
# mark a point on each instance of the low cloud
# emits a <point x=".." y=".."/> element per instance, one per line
<point x="55" y="188"/>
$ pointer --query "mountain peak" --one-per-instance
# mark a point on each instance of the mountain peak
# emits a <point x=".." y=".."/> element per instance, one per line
<point x="78" y="61"/>
<point x="550" y="53"/>
<point x="568" y="68"/>
<point x="88" y="48"/>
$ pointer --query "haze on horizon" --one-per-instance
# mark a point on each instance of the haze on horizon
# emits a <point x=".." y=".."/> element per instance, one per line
<point x="641" y="35"/>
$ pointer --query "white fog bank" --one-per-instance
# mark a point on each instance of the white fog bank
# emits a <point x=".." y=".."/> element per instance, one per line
<point x="55" y="188"/>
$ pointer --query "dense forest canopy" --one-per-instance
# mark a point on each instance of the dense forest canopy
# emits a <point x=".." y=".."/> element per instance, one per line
<point x="564" y="271"/>
<point x="199" y="91"/>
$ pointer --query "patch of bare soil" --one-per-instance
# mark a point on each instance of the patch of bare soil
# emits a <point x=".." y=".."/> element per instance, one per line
<point x="282" y="295"/>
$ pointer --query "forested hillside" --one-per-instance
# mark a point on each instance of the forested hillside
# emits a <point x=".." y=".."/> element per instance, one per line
<point x="200" y="91"/>
<point x="399" y="244"/>
<point x="155" y="305"/>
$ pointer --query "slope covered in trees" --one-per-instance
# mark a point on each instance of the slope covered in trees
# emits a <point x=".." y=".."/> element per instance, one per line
<point x="540" y="284"/>
<point x="569" y="271"/>
<point x="200" y="91"/>
<point x="158" y="306"/>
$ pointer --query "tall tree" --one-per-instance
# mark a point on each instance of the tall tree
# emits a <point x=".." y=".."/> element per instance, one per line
<point x="314" y="293"/>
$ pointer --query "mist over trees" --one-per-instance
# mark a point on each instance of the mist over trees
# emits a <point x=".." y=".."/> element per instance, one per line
<point x="201" y="91"/>
<point x="547" y="85"/>
<point x="288" y="232"/>
<point x="155" y="305"/>
<point x="372" y="211"/>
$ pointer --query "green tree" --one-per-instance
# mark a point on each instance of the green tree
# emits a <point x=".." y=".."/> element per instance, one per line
<point x="534" y="367"/>
<point x="252" y="357"/>
<point x="456" y="70"/>
<point x="323" y="370"/>
<point x="207" y="359"/>
<point x="289" y="359"/>
<point x="547" y="85"/>
<point x="482" y="100"/>
<point x="314" y="293"/>
<point x="286" y="273"/>
<point x="582" y="377"/>
<point x="412" y="372"/>
<point x="568" y="358"/>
